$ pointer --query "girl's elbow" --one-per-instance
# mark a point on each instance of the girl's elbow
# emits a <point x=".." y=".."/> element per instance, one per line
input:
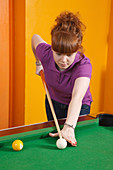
<point x="77" y="98"/>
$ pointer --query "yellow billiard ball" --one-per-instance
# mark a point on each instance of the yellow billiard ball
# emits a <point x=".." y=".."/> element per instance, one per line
<point x="17" y="145"/>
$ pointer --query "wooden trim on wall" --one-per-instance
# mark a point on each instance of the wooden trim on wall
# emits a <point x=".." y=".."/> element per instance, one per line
<point x="4" y="64"/>
<point x="17" y="63"/>
<point x="11" y="55"/>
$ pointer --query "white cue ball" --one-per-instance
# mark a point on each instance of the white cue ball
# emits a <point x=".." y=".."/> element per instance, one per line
<point x="61" y="143"/>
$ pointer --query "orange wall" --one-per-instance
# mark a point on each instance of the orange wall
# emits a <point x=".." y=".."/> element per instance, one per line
<point x="40" y="17"/>
<point x="4" y="64"/>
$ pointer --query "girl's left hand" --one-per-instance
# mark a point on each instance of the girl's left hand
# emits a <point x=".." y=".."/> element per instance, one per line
<point x="68" y="134"/>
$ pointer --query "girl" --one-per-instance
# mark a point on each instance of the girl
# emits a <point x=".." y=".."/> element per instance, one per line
<point x="67" y="72"/>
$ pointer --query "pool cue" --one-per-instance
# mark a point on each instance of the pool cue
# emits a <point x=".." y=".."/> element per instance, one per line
<point x="50" y="103"/>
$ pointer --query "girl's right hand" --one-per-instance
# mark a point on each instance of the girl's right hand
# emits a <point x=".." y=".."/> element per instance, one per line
<point x="38" y="69"/>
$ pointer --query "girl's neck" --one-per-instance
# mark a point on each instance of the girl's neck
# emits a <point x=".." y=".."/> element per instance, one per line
<point x="58" y="68"/>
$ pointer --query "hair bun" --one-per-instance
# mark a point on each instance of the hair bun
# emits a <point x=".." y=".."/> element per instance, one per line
<point x="65" y="17"/>
<point x="67" y="21"/>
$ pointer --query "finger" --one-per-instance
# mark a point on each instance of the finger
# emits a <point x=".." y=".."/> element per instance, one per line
<point x="53" y="134"/>
<point x="72" y="141"/>
<point x="74" y="144"/>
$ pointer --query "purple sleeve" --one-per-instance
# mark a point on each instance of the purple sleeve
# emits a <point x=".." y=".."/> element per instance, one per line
<point x="43" y="51"/>
<point x="84" y="69"/>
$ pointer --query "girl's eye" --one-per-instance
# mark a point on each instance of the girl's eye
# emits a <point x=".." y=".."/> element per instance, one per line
<point x="58" y="53"/>
<point x="68" y="55"/>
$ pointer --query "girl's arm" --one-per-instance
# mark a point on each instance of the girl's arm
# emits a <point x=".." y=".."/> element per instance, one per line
<point x="80" y="87"/>
<point x="36" y="40"/>
<point x="79" y="90"/>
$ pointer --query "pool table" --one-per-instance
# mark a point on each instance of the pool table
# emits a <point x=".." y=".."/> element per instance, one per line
<point x="94" y="149"/>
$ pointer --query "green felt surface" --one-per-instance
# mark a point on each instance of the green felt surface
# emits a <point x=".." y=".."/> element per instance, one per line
<point x="94" y="150"/>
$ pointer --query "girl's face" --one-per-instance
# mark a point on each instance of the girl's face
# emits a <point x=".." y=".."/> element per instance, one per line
<point x="63" y="61"/>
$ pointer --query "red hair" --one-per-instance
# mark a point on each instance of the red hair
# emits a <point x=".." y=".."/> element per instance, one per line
<point x="67" y="34"/>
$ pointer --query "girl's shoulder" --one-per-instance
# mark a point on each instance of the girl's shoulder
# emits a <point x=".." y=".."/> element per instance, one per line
<point x="43" y="51"/>
<point x="83" y="59"/>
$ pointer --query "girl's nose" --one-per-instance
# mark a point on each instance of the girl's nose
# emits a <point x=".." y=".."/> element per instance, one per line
<point x="64" y="58"/>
